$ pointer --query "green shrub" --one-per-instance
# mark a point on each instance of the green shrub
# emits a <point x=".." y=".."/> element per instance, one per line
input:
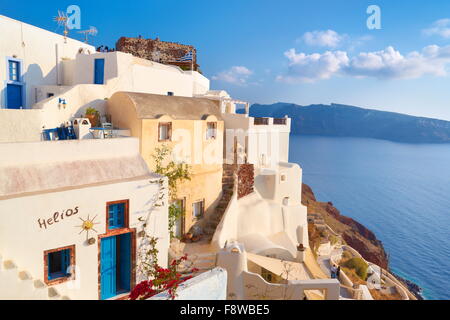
<point x="90" y="111"/>
<point x="359" y="265"/>
<point x="346" y="255"/>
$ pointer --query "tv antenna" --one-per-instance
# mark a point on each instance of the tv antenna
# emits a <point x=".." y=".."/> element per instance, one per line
<point x="92" y="31"/>
<point x="62" y="19"/>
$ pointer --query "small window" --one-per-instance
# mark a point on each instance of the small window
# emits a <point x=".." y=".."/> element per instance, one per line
<point x="117" y="214"/>
<point x="211" y="130"/>
<point x="58" y="264"/>
<point x="198" y="209"/>
<point x="14" y="71"/>
<point x="170" y="93"/>
<point x="164" y="131"/>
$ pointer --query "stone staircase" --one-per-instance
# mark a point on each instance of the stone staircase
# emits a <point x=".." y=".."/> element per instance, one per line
<point x="228" y="183"/>
<point x="18" y="284"/>
<point x="201" y="261"/>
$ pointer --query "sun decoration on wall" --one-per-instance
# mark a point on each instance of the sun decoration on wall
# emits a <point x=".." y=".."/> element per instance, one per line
<point x="87" y="225"/>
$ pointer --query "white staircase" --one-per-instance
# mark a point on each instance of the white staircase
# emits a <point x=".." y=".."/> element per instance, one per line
<point x="17" y="284"/>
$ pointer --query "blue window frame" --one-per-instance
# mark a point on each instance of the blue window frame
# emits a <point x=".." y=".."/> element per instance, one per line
<point x="14" y="70"/>
<point x="117" y="214"/>
<point x="58" y="263"/>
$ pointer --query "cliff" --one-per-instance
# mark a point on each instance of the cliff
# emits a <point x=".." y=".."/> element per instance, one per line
<point x="353" y="233"/>
<point x="347" y="121"/>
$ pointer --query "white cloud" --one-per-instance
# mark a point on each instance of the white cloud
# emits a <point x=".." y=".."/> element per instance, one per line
<point x="440" y="28"/>
<point x="313" y="67"/>
<point x="236" y="75"/>
<point x="384" y="64"/>
<point x="328" y="38"/>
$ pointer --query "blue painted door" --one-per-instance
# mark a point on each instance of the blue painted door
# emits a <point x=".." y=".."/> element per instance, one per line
<point x="14" y="96"/>
<point x="124" y="263"/>
<point x="108" y="268"/>
<point x="115" y="265"/>
<point x="99" y="71"/>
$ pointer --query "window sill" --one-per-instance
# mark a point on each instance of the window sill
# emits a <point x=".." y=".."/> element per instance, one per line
<point x="60" y="280"/>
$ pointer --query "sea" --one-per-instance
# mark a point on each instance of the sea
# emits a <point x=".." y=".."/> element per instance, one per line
<point x="399" y="191"/>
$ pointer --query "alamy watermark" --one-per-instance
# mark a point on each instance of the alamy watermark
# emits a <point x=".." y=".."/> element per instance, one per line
<point x="374" y="20"/>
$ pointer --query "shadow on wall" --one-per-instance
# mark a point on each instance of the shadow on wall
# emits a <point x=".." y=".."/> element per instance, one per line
<point x="34" y="75"/>
<point x="98" y="104"/>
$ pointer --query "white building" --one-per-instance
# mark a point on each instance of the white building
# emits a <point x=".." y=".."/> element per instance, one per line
<point x="50" y="80"/>
<point x="271" y="220"/>
<point x="57" y="79"/>
<point x="72" y="215"/>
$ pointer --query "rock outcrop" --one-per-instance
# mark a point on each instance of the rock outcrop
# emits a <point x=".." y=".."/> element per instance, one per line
<point x="354" y="233"/>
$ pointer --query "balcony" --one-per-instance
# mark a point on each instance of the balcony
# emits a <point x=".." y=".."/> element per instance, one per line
<point x="261" y="121"/>
<point x="280" y="121"/>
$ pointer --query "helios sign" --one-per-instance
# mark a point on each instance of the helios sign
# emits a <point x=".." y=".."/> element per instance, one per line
<point x="57" y="217"/>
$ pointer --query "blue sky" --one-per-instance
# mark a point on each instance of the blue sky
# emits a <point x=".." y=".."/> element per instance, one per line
<point x="292" y="51"/>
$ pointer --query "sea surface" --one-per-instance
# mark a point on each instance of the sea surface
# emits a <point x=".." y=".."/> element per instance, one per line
<point x="399" y="191"/>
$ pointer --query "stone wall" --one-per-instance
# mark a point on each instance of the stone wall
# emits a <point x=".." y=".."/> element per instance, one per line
<point x="156" y="50"/>
<point x="246" y="179"/>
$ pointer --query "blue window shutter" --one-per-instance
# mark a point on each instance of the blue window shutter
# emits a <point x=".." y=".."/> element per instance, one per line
<point x="111" y="219"/>
<point x="120" y="214"/>
<point x="65" y="261"/>
<point x="116" y="215"/>
<point x="49" y="277"/>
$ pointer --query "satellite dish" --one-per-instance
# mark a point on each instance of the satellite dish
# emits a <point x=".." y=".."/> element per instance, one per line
<point x="92" y="31"/>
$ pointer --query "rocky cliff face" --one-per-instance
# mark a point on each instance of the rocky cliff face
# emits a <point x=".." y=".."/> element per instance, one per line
<point x="354" y="233"/>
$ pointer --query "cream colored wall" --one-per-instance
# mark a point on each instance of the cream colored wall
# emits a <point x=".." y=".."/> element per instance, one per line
<point x="123" y="116"/>
<point x="41" y="52"/>
<point x="204" y="156"/>
<point x="20" y="125"/>
<point x="190" y="135"/>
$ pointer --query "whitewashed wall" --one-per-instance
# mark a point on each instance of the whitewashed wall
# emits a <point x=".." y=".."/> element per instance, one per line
<point x="41" y="52"/>
<point x="24" y="241"/>
<point x="210" y="285"/>
<point x="124" y="72"/>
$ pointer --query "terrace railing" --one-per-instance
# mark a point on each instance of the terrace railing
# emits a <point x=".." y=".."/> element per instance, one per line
<point x="261" y="121"/>
<point x="280" y="121"/>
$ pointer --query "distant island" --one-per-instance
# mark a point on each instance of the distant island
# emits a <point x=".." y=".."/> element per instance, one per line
<point x="338" y="120"/>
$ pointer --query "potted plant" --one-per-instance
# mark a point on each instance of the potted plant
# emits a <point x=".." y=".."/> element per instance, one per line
<point x="93" y="115"/>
